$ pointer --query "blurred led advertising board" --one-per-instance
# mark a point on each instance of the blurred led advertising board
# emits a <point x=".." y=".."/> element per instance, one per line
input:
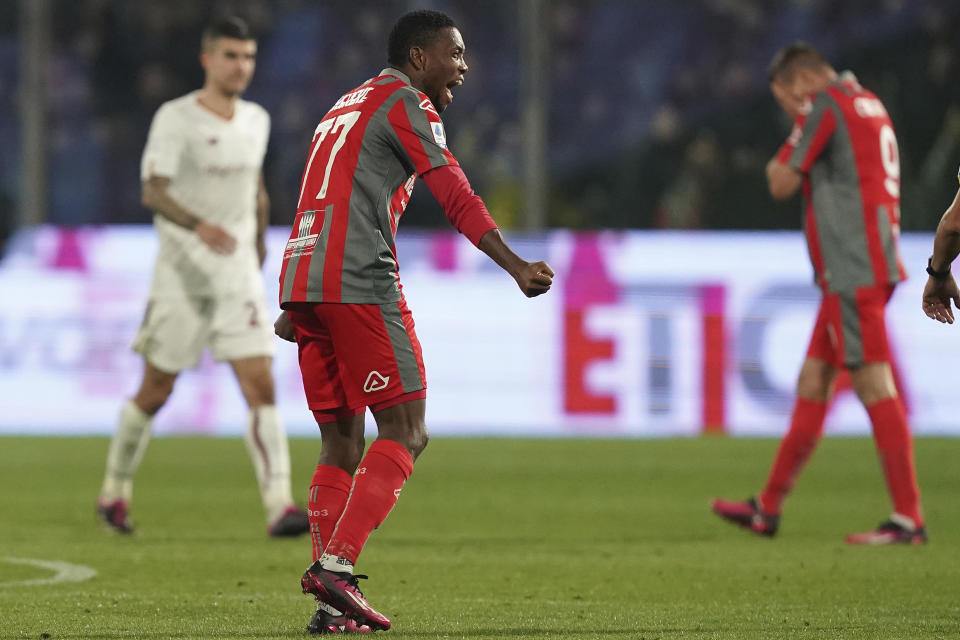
<point x="644" y="334"/>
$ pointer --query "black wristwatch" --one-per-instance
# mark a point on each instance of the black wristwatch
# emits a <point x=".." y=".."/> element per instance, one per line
<point x="937" y="275"/>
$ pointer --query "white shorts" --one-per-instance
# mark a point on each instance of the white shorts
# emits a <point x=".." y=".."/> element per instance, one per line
<point x="175" y="330"/>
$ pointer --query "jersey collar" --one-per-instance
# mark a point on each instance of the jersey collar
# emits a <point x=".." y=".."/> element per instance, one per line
<point x="390" y="71"/>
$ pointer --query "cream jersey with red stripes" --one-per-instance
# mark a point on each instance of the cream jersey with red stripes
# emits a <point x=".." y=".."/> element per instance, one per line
<point x="214" y="168"/>
<point x="366" y="154"/>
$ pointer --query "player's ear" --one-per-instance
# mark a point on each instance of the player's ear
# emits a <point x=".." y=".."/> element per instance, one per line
<point x="417" y="58"/>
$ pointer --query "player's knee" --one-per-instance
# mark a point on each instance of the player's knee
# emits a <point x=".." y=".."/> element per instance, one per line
<point x="419" y="437"/>
<point x="258" y="392"/>
<point x="153" y="394"/>
<point x="815" y="381"/>
<point x="342" y="451"/>
<point x="813" y="390"/>
<point x="263" y="395"/>
<point x="353" y="455"/>
<point x="873" y="383"/>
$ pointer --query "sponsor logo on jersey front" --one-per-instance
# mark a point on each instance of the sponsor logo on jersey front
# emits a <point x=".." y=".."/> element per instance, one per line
<point x="300" y="246"/>
<point x="375" y="382"/>
<point x="306" y="222"/>
<point x="426" y="105"/>
<point x="305" y="241"/>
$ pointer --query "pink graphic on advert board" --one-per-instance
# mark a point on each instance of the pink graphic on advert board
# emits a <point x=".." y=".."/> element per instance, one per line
<point x="69" y="252"/>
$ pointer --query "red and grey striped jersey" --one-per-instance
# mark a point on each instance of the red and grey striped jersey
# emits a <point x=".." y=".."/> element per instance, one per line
<point x="366" y="154"/>
<point x="844" y="145"/>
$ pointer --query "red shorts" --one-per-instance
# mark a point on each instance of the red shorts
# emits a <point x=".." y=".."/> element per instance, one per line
<point x="354" y="356"/>
<point x="850" y="329"/>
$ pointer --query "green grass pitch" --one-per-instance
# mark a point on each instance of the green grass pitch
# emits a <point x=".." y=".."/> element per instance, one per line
<point x="491" y="539"/>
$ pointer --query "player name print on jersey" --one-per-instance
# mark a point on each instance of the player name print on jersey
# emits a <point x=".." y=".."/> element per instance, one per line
<point x="352" y="98"/>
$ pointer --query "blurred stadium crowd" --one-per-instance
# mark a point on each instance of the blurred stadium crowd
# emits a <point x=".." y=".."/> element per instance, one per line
<point x="659" y="113"/>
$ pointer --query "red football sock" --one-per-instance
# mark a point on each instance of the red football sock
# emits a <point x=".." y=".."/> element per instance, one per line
<point x="895" y="446"/>
<point x="795" y="449"/>
<point x="376" y="487"/>
<point x="329" y="490"/>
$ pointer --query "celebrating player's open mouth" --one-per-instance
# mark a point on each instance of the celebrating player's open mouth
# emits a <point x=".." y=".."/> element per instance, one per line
<point x="449" y="89"/>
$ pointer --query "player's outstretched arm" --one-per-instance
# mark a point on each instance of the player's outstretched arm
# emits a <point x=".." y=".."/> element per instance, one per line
<point x="533" y="278"/>
<point x="155" y="196"/>
<point x="941" y="287"/>
<point x="466" y="211"/>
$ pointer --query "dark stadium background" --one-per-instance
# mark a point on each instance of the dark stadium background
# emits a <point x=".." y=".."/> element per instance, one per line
<point x="658" y="114"/>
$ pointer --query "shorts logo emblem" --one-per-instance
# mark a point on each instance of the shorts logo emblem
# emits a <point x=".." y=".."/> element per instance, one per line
<point x="375" y="382"/>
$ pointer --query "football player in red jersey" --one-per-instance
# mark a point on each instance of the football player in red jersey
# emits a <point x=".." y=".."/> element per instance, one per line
<point x="941" y="288"/>
<point x="343" y="304"/>
<point x="842" y="152"/>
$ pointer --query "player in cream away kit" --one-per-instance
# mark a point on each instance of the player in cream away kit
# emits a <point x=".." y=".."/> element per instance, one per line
<point x="343" y="304"/>
<point x="201" y="173"/>
<point x="843" y="154"/>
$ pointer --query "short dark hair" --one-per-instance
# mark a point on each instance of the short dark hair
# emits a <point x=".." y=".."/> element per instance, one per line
<point x="415" y="29"/>
<point x="792" y="57"/>
<point x="229" y="27"/>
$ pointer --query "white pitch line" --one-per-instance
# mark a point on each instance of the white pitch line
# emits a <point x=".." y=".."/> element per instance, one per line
<point x="64" y="572"/>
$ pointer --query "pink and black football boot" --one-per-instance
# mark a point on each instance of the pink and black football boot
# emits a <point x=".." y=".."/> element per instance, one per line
<point x="747" y="514"/>
<point x="896" y="530"/>
<point x="340" y="591"/>
<point x="292" y="522"/>
<point x="114" y="516"/>
<point x="324" y="620"/>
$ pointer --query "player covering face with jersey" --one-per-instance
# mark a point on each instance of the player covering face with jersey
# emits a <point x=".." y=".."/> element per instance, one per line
<point x="343" y="304"/>
<point x="843" y="153"/>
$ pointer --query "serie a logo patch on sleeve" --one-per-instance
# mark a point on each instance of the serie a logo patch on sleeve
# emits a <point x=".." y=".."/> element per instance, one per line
<point x="439" y="135"/>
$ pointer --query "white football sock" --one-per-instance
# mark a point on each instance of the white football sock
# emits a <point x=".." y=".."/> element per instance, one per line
<point x="127" y="447"/>
<point x="904" y="521"/>
<point x="267" y="445"/>
<point x="323" y="606"/>
<point x="336" y="563"/>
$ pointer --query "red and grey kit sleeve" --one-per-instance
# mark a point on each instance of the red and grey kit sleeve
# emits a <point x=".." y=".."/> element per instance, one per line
<point x="811" y="131"/>
<point x="464" y="208"/>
